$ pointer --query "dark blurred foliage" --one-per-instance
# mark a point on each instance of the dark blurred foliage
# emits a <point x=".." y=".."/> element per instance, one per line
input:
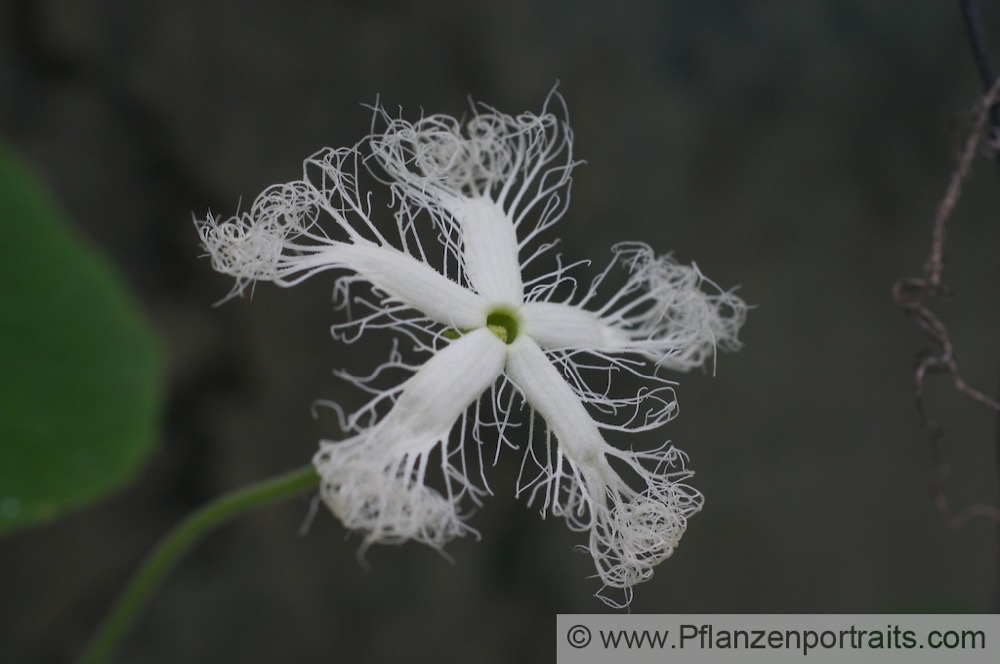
<point x="798" y="149"/>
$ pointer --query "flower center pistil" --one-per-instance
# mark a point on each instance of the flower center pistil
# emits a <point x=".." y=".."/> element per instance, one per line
<point x="504" y="323"/>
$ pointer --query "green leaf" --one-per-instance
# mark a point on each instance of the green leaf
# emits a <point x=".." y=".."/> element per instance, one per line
<point x="80" y="370"/>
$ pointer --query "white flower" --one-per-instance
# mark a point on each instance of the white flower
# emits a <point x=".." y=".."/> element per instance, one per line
<point x="488" y="190"/>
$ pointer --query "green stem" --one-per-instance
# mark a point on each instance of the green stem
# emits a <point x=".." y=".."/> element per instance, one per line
<point x="176" y="543"/>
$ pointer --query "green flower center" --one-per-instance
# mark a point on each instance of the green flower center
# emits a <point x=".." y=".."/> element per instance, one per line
<point x="504" y="324"/>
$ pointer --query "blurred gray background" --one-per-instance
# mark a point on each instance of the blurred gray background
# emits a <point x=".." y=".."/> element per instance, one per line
<point x="797" y="149"/>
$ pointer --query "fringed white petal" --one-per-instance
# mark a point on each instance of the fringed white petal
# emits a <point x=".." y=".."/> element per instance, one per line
<point x="639" y="531"/>
<point x="558" y="326"/>
<point x="444" y="387"/>
<point x="489" y="250"/>
<point x="370" y="495"/>
<point x="413" y="283"/>
<point x="490" y="184"/>
<point x="548" y="393"/>
<point x="666" y="312"/>
<point x="375" y="482"/>
<point x="630" y="531"/>
<point x="257" y="249"/>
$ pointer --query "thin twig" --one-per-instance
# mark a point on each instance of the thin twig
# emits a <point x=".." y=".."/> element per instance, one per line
<point x="981" y="53"/>
<point x="912" y="293"/>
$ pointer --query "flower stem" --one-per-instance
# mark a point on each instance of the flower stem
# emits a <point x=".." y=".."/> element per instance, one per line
<point x="176" y="543"/>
